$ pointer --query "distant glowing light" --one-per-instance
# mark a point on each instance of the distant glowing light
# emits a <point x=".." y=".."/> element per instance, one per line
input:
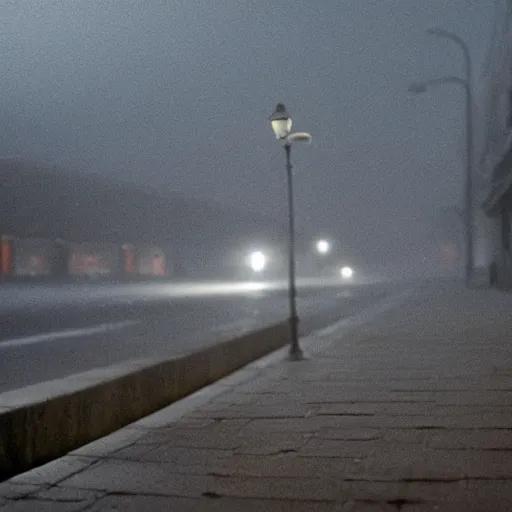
<point x="257" y="261"/>
<point x="346" y="272"/>
<point x="323" y="246"/>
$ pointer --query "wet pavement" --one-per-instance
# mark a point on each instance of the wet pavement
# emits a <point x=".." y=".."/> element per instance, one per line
<point x="404" y="408"/>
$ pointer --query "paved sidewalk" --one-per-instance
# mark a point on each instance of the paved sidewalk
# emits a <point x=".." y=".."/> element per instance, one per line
<point x="409" y="412"/>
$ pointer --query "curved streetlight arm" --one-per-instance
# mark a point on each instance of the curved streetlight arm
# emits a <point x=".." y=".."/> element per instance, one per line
<point x="467" y="85"/>
<point x="298" y="136"/>
<point x="445" y="34"/>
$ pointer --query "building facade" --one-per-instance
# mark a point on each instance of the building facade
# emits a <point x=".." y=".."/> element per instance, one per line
<point x="495" y="158"/>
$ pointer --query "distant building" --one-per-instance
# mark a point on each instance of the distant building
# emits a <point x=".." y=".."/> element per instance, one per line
<point x="495" y="159"/>
<point x="59" y="223"/>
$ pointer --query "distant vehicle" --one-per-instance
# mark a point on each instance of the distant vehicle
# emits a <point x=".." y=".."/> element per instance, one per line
<point x="346" y="272"/>
<point x="257" y="261"/>
<point x="262" y="265"/>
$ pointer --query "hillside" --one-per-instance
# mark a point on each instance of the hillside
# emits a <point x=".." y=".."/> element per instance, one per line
<point x="44" y="200"/>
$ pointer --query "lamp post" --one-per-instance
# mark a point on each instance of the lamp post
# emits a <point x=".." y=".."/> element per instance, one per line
<point x="467" y="84"/>
<point x="282" y="125"/>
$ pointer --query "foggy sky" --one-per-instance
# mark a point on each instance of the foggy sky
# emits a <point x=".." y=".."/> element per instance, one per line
<point x="177" y="94"/>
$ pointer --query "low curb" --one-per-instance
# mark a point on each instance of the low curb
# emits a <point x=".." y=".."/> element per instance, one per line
<point x="48" y="420"/>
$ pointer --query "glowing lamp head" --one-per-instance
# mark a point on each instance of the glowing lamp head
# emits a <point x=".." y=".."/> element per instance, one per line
<point x="281" y="122"/>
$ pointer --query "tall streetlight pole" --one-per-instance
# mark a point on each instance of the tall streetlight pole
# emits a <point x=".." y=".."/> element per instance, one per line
<point x="282" y="125"/>
<point x="467" y="84"/>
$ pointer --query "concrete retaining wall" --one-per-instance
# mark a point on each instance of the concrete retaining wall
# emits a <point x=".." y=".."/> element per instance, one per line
<point x="46" y="421"/>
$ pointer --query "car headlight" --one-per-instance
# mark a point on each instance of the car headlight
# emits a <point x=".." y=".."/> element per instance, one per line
<point x="346" y="272"/>
<point x="257" y="261"/>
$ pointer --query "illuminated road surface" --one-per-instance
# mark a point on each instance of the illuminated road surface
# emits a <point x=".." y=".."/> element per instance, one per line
<point x="51" y="332"/>
<point x="17" y="296"/>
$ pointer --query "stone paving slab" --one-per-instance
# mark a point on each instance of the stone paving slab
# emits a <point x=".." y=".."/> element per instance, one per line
<point x="172" y="504"/>
<point x="410" y="412"/>
<point x="55" y="499"/>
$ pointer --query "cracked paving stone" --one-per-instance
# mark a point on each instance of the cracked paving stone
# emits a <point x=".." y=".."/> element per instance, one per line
<point x="288" y="465"/>
<point x="369" y="506"/>
<point x="115" y="476"/>
<point x="237" y="399"/>
<point x="185" y="457"/>
<point x="54" y="501"/>
<point x="215" y="438"/>
<point x="419" y="463"/>
<point x="349" y="434"/>
<point x="396" y="396"/>
<point x="221" y="504"/>
<point x="132" y="452"/>
<point x="484" y="398"/>
<point x="339" y="448"/>
<point x="251" y="411"/>
<point x="477" y="439"/>
<point x="393" y="491"/>
<point x="333" y="489"/>
<point x="321" y="489"/>
<point x="197" y="427"/>
<point x="68" y="495"/>
<point x="461" y="410"/>
<point x="164" y="422"/>
<point x="310" y="424"/>
<point x="472" y="496"/>
<point x="261" y="444"/>
<point x="405" y="436"/>
<point x="489" y="421"/>
<point x="464" y="506"/>
<point x="54" y="471"/>
<point x="352" y="409"/>
<point x="10" y="490"/>
<point x="484" y="491"/>
<point x="408" y="409"/>
<point x="191" y="423"/>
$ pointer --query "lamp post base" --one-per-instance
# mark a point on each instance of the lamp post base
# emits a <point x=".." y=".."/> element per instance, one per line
<point x="296" y="354"/>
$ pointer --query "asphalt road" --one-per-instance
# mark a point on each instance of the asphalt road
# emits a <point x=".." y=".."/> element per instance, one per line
<point x="51" y="332"/>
